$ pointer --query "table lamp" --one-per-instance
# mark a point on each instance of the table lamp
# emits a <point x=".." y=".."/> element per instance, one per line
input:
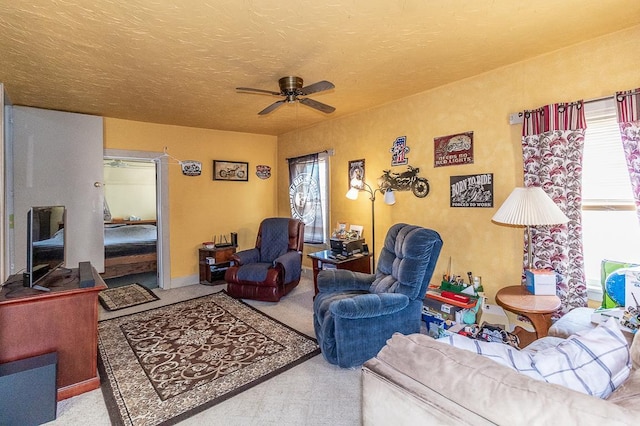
<point x="358" y="185"/>
<point x="529" y="207"/>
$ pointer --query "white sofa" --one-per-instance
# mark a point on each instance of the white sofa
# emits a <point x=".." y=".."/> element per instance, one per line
<point x="417" y="380"/>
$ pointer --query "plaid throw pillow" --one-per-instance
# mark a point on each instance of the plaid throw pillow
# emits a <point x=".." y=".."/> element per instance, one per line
<point x="521" y="361"/>
<point x="595" y="363"/>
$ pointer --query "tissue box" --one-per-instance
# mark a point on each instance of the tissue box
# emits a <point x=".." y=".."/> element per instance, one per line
<point x="541" y="282"/>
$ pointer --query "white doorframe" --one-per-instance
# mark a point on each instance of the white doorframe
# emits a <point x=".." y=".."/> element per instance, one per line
<point x="162" y="206"/>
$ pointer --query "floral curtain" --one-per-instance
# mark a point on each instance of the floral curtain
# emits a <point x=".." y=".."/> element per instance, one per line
<point x="305" y="196"/>
<point x="552" y="147"/>
<point x="628" y="108"/>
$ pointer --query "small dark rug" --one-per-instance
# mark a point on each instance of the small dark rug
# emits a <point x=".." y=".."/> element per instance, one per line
<point x="163" y="365"/>
<point x="126" y="296"/>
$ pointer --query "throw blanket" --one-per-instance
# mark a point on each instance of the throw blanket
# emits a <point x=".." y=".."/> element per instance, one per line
<point x="275" y="239"/>
<point x="273" y="249"/>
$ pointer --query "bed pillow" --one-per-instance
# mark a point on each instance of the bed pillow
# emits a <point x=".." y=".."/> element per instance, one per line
<point x="595" y="362"/>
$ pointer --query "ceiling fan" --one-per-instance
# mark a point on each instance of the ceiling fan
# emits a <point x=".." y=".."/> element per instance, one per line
<point x="291" y="88"/>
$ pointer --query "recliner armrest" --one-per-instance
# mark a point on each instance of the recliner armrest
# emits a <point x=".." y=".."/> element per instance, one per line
<point x="291" y="262"/>
<point x="246" y="256"/>
<point x="333" y="280"/>
<point x="288" y="258"/>
<point x="369" y="305"/>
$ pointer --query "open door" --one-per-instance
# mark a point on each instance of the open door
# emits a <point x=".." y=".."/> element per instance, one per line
<point x="57" y="160"/>
<point x="162" y="206"/>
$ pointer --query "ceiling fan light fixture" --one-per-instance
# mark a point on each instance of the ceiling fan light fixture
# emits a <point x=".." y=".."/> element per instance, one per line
<point x="290" y="83"/>
<point x="290" y="88"/>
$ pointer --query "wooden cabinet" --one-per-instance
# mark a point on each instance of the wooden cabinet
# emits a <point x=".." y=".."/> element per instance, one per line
<point x="210" y="272"/>
<point x="63" y="320"/>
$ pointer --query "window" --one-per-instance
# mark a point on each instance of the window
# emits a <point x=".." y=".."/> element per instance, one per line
<point x="308" y="195"/>
<point x="609" y="222"/>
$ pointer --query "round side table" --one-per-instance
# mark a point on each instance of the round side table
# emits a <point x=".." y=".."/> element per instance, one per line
<point x="537" y="308"/>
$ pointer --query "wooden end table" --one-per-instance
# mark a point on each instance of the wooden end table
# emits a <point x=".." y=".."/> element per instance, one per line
<point x="355" y="263"/>
<point x="537" y="308"/>
<point x="221" y="256"/>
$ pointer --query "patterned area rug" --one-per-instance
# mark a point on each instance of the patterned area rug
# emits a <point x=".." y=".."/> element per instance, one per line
<point x="126" y="296"/>
<point x="163" y="365"/>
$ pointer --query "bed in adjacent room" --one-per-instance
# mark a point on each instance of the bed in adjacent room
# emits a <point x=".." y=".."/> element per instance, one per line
<point x="128" y="248"/>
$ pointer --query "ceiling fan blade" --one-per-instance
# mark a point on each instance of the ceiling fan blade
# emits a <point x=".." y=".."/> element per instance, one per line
<point x="327" y="109"/>
<point x="317" y="87"/>
<point x="271" y="107"/>
<point x="248" y="89"/>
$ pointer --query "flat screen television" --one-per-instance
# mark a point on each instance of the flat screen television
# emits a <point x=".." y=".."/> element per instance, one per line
<point x="45" y="244"/>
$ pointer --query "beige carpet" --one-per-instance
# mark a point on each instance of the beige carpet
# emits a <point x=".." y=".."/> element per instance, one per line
<point x="166" y="364"/>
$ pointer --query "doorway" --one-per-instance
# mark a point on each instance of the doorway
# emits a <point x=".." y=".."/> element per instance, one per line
<point x="130" y="232"/>
<point x="136" y="201"/>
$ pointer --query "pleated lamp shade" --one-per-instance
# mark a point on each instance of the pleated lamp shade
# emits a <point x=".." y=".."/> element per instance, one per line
<point x="529" y="207"/>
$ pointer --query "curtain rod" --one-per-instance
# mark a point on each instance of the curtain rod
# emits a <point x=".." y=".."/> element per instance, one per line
<point x="624" y="95"/>
<point x="329" y="152"/>
<point x="517" y="117"/>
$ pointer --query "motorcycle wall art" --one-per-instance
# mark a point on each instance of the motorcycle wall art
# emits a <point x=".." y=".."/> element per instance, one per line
<point x="230" y="170"/>
<point x="407" y="180"/>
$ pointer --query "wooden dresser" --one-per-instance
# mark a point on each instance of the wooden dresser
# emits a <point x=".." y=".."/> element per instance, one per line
<point x="64" y="320"/>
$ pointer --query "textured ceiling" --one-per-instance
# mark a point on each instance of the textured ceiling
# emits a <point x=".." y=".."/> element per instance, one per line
<point x="179" y="62"/>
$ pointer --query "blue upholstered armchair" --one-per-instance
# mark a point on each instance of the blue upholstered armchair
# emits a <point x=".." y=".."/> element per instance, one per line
<point x="354" y="313"/>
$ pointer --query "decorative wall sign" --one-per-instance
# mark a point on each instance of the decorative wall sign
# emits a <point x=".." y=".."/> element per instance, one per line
<point x="405" y="181"/>
<point x="472" y="190"/>
<point x="191" y="167"/>
<point x="399" y="151"/>
<point x="263" y="172"/>
<point x="356" y="171"/>
<point x="230" y="170"/>
<point x="453" y="150"/>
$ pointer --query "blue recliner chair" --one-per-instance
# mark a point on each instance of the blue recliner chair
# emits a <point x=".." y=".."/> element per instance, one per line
<point x="354" y="313"/>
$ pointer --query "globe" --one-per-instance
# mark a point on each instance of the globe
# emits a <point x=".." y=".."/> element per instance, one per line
<point x="615" y="284"/>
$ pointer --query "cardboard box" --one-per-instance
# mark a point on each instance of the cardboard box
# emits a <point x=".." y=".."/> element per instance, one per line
<point x="494" y="315"/>
<point x="541" y="282"/>
<point x="445" y="310"/>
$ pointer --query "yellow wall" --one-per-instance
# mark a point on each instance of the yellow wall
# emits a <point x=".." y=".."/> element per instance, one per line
<point x="480" y="104"/>
<point x="199" y="206"/>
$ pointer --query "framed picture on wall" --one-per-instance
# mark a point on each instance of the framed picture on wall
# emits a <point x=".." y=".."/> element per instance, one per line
<point x="356" y="171"/>
<point x="230" y="170"/>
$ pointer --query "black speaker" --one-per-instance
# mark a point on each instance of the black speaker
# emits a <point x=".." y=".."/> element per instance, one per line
<point x="365" y="248"/>
<point x="28" y="389"/>
<point x="86" y="275"/>
<point x="234" y="239"/>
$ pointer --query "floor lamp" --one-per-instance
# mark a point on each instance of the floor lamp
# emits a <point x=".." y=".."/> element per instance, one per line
<point x="358" y="185"/>
<point x="529" y="207"/>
